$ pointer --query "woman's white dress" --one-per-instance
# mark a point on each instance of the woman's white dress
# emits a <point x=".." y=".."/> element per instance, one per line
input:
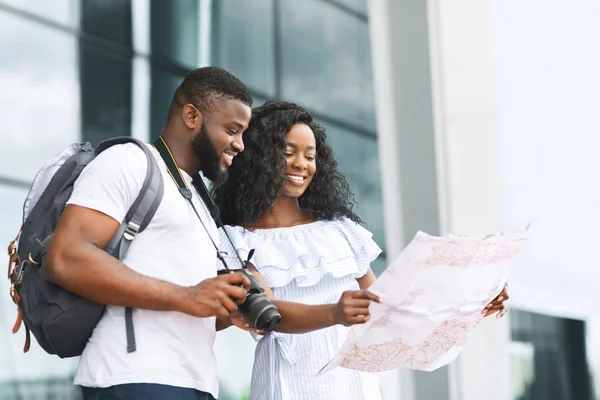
<point x="311" y="264"/>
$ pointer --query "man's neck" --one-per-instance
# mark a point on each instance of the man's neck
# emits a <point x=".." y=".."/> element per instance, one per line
<point x="182" y="153"/>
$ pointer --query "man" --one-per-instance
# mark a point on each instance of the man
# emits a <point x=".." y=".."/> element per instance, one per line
<point x="169" y="273"/>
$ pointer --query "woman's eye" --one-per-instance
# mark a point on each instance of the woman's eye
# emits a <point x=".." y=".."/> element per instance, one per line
<point x="288" y="154"/>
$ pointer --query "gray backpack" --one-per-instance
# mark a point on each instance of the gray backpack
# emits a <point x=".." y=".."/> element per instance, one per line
<point x="62" y="322"/>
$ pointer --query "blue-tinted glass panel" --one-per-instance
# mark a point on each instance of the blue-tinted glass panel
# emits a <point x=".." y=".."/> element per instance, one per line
<point x="245" y="41"/>
<point x="358" y="160"/>
<point x="548" y="358"/>
<point x="105" y="94"/>
<point x="257" y="101"/>
<point x="355" y="5"/>
<point x="326" y="63"/>
<point x="162" y="90"/>
<point x="64" y="12"/>
<point x="110" y="19"/>
<point x="39" y="95"/>
<point x="174" y="30"/>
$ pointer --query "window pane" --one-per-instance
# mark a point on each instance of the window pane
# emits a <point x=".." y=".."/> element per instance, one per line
<point x="548" y="358"/>
<point x="36" y="373"/>
<point x="108" y="18"/>
<point x="356" y="5"/>
<point x="106" y="94"/>
<point x="163" y="88"/>
<point x="245" y="41"/>
<point x="175" y="30"/>
<point x="358" y="160"/>
<point x="326" y="61"/>
<point x="62" y="11"/>
<point x="39" y="100"/>
<point x="257" y="101"/>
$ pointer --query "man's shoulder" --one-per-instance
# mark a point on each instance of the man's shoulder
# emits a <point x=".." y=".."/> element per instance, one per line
<point x="127" y="156"/>
<point x="125" y="150"/>
<point x="123" y="164"/>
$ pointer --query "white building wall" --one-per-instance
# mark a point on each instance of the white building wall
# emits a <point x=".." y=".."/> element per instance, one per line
<point x="454" y="109"/>
<point x="462" y="65"/>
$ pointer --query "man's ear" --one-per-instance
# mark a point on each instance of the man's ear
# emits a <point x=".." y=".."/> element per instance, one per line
<point x="192" y="117"/>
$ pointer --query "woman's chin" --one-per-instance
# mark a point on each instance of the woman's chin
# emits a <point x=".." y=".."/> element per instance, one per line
<point x="293" y="191"/>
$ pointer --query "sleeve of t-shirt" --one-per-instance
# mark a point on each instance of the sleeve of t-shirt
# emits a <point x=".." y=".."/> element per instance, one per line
<point x="112" y="181"/>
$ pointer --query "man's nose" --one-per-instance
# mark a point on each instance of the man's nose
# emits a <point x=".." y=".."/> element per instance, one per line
<point x="238" y="144"/>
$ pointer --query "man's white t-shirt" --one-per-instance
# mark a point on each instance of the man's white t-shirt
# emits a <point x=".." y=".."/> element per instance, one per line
<point x="173" y="348"/>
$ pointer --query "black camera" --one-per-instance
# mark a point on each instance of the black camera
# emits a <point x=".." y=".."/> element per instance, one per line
<point x="258" y="310"/>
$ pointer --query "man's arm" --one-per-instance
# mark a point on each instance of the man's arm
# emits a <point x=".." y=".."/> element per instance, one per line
<point x="353" y="308"/>
<point x="77" y="262"/>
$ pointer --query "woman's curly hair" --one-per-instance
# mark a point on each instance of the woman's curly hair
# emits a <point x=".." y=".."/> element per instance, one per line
<point x="256" y="177"/>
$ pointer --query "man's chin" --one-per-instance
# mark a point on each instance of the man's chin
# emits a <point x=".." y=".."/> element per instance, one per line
<point x="219" y="178"/>
<point x="216" y="176"/>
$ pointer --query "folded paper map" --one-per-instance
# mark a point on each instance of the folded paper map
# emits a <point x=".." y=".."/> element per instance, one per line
<point x="432" y="296"/>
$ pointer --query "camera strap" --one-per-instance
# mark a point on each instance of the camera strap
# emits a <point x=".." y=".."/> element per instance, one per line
<point x="175" y="173"/>
<point x="202" y="190"/>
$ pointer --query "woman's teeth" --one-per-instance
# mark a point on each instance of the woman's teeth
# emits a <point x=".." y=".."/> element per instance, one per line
<point x="295" y="178"/>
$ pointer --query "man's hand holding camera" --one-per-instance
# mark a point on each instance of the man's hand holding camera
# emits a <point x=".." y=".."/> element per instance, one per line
<point x="216" y="297"/>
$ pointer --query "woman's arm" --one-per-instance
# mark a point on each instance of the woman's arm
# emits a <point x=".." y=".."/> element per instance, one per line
<point x="365" y="281"/>
<point x="351" y="309"/>
<point x="223" y="323"/>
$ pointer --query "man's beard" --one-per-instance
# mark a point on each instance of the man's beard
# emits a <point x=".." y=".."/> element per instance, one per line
<point x="208" y="158"/>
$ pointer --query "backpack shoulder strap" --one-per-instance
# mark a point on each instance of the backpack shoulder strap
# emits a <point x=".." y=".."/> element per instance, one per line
<point x="137" y="218"/>
<point x="145" y="205"/>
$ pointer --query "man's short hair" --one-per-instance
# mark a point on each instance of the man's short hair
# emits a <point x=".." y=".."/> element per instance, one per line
<point x="208" y="87"/>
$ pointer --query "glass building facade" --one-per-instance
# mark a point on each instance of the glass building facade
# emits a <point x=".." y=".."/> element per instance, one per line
<point x="87" y="70"/>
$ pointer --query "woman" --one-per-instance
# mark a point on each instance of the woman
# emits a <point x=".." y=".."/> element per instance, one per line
<point x="287" y="200"/>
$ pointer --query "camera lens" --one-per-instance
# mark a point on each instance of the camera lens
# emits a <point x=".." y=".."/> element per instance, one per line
<point x="260" y="312"/>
